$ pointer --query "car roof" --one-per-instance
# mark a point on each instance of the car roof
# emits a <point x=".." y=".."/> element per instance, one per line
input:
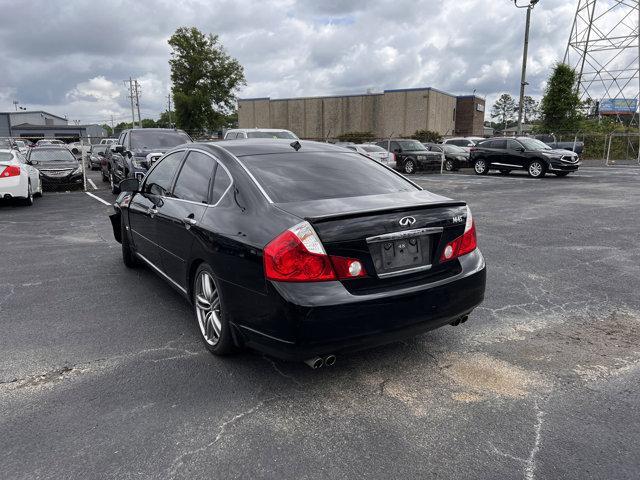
<point x="262" y="146"/>
<point x="257" y="130"/>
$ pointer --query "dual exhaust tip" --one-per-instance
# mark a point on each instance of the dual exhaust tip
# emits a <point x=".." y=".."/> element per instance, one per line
<point x="319" y="362"/>
<point x="460" y="320"/>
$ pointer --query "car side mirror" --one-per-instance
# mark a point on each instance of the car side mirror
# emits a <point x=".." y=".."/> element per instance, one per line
<point x="397" y="150"/>
<point x="117" y="148"/>
<point x="130" y="185"/>
<point x="519" y="149"/>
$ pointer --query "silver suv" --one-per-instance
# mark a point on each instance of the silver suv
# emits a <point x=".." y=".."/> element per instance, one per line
<point x="242" y="133"/>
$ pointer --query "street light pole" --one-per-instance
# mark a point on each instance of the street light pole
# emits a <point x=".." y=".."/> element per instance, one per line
<point x="523" y="81"/>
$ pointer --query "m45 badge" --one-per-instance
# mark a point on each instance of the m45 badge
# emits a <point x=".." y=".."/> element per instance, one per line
<point x="458" y="219"/>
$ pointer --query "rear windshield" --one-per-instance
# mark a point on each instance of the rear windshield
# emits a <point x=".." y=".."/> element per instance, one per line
<point x="372" y="148"/>
<point x="51" y="155"/>
<point x="295" y="177"/>
<point x="281" y="134"/>
<point x="411" y="145"/>
<point x="141" y="139"/>
<point x="5" y="157"/>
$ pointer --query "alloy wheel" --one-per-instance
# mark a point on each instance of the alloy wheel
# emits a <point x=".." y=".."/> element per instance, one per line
<point x="409" y="167"/>
<point x="208" y="308"/>
<point x="535" y="169"/>
<point x="448" y="165"/>
<point x="479" y="166"/>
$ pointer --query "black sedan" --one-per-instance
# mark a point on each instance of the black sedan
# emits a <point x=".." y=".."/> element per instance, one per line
<point x="455" y="157"/>
<point x="57" y="165"/>
<point x="96" y="156"/>
<point x="301" y="250"/>
<point x="522" y="153"/>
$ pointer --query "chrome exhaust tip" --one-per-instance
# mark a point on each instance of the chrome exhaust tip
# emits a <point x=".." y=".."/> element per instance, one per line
<point x="330" y="360"/>
<point x="315" y="362"/>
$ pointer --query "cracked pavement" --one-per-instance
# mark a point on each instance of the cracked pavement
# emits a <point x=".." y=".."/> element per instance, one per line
<point x="102" y="373"/>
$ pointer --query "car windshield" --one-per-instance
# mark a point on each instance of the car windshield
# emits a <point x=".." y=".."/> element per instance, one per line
<point x="20" y="143"/>
<point x="372" y="148"/>
<point x="411" y="145"/>
<point x="99" y="148"/>
<point x="50" y="142"/>
<point x="146" y="139"/>
<point x="296" y="177"/>
<point x="453" y="149"/>
<point x="280" y="134"/>
<point x="51" y="155"/>
<point x="533" y="144"/>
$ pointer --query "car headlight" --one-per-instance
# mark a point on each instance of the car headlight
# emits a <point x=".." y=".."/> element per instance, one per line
<point x="421" y="157"/>
<point x="552" y="156"/>
<point x="139" y="162"/>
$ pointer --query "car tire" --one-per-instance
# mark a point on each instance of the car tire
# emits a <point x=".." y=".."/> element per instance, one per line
<point x="115" y="189"/>
<point x="449" y="165"/>
<point x="409" y="167"/>
<point x="536" y="169"/>
<point x="208" y="308"/>
<point x="28" y="201"/>
<point x="561" y="174"/>
<point x="128" y="256"/>
<point x="480" y="167"/>
<point x="105" y="178"/>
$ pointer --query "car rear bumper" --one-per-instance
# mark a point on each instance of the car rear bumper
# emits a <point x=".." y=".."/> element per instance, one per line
<point x="13" y="187"/>
<point x="333" y="321"/>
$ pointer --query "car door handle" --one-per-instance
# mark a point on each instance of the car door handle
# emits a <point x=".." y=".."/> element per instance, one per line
<point x="189" y="221"/>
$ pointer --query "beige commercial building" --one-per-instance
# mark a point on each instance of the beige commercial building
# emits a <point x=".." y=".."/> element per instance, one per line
<point x="391" y="113"/>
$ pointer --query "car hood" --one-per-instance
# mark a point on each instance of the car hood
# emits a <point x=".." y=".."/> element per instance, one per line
<point x="56" y="165"/>
<point x="143" y="152"/>
<point x="558" y="151"/>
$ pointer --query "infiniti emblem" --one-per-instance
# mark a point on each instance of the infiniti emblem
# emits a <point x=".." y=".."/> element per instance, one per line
<point x="406" y="221"/>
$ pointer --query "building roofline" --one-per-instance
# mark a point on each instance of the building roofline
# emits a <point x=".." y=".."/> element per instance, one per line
<point x="30" y="126"/>
<point x="34" y="111"/>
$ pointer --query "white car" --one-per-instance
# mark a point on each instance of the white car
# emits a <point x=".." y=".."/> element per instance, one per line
<point x="242" y="133"/>
<point x="377" y="153"/>
<point x="22" y="146"/>
<point x="463" y="142"/>
<point x="17" y="178"/>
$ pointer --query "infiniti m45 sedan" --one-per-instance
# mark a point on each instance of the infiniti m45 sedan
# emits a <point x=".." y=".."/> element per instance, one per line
<point x="301" y="250"/>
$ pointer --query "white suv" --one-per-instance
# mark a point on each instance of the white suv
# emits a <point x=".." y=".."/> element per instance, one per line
<point x="463" y="142"/>
<point x="242" y="133"/>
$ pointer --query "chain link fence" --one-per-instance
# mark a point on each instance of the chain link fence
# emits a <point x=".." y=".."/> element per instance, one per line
<point x="617" y="148"/>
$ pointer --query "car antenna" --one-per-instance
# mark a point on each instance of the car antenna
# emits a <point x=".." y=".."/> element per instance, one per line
<point x="296" y="145"/>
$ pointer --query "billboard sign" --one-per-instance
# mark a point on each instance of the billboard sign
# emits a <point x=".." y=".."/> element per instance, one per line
<point x="621" y="106"/>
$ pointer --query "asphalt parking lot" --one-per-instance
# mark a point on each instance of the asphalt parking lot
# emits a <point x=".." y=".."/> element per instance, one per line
<point x="102" y="373"/>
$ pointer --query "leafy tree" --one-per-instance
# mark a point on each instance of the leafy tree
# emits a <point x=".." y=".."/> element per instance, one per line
<point x="504" y="109"/>
<point x="356" y="137"/>
<point x="165" y="121"/>
<point x="531" y="109"/>
<point x="205" y="79"/>
<point x="560" y="106"/>
<point x="108" y="129"/>
<point x="148" y="123"/>
<point x="427" y="136"/>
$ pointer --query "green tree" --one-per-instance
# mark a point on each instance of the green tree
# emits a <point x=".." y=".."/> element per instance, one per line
<point x="531" y="109"/>
<point x="504" y="109"/>
<point x="205" y="80"/>
<point x="560" y="106"/>
<point x="165" y="121"/>
<point x="148" y="123"/>
<point x="108" y="129"/>
<point x="427" y="136"/>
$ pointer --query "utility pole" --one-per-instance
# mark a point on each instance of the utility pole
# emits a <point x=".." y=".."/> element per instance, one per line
<point x="523" y="81"/>
<point x="112" y="127"/>
<point x="15" y="104"/>
<point x="169" y="100"/>
<point x="133" y="116"/>
<point x="136" y="87"/>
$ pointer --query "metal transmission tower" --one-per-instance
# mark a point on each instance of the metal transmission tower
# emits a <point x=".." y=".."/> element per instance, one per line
<point x="604" y="50"/>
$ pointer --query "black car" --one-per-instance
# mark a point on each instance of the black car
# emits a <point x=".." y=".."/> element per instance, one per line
<point x="411" y="155"/>
<point x="137" y="149"/>
<point x="455" y="157"/>
<point x="58" y="167"/>
<point x="96" y="156"/>
<point x="301" y="250"/>
<point x="522" y="153"/>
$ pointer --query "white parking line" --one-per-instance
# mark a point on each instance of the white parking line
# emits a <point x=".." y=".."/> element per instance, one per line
<point x="92" y="184"/>
<point x="98" y="198"/>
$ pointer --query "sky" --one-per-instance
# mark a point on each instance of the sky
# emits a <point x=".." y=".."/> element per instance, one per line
<point x="71" y="57"/>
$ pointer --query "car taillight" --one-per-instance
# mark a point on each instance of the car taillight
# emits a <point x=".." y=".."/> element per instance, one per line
<point x="297" y="255"/>
<point x="465" y="243"/>
<point x="10" y="171"/>
<point x="472" y="149"/>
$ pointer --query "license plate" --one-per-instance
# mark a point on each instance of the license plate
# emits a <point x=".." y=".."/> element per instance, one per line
<point x="393" y="256"/>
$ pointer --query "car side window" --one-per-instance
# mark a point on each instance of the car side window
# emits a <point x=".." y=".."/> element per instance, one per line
<point x="394" y="146"/>
<point x="194" y="178"/>
<point x="499" y="144"/>
<point x="231" y="136"/>
<point x="20" y="157"/>
<point x="513" y="145"/>
<point x="158" y="181"/>
<point x="220" y="184"/>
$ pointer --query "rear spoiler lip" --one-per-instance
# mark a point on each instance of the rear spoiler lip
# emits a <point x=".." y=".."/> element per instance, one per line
<point x="358" y="213"/>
